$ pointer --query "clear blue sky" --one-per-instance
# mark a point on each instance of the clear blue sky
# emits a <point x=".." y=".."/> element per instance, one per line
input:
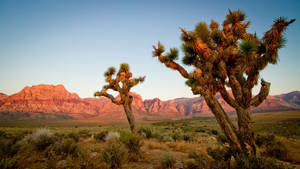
<point x="74" y="42"/>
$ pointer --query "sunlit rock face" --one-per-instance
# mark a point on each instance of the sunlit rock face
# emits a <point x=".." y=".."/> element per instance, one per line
<point x="56" y="100"/>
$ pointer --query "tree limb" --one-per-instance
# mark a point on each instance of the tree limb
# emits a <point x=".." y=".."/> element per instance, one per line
<point x="236" y="89"/>
<point x="111" y="97"/>
<point x="225" y="95"/>
<point x="173" y="65"/>
<point x="262" y="95"/>
<point x="135" y="81"/>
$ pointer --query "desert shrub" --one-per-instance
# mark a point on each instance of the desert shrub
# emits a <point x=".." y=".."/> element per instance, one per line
<point x="222" y="139"/>
<point x="66" y="147"/>
<point x="188" y="137"/>
<point x="112" y="136"/>
<point x="8" y="163"/>
<point x="200" y="159"/>
<point x="133" y="143"/>
<point x="87" y="161"/>
<point x="2" y="134"/>
<point x="84" y="133"/>
<point x="264" y="139"/>
<point x="214" y="132"/>
<point x="167" y="162"/>
<point x="192" y="165"/>
<point x="73" y="136"/>
<point x="252" y="162"/>
<point x="200" y="130"/>
<point x="146" y="131"/>
<point x="41" y="138"/>
<point x="177" y="135"/>
<point x="100" y="136"/>
<point x="219" y="154"/>
<point x="114" y="154"/>
<point x="166" y="138"/>
<point x="8" y="148"/>
<point x="277" y="149"/>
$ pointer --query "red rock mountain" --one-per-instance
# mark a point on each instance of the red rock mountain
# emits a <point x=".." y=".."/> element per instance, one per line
<point x="41" y="100"/>
<point x="48" y="99"/>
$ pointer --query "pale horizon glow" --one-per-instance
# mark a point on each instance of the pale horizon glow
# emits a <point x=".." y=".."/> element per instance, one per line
<point x="73" y="42"/>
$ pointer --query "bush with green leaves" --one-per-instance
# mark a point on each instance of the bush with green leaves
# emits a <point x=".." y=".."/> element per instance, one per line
<point x="114" y="154"/>
<point x="100" y="136"/>
<point x="167" y="162"/>
<point x="146" y="131"/>
<point x="74" y="136"/>
<point x="66" y="147"/>
<point x="253" y="162"/>
<point x="8" y="148"/>
<point x="261" y="139"/>
<point x="177" y="135"/>
<point x="84" y="133"/>
<point x="192" y="165"/>
<point x="277" y="149"/>
<point x="219" y="154"/>
<point x="133" y="143"/>
<point x="200" y="159"/>
<point x="8" y="163"/>
<point x="2" y="134"/>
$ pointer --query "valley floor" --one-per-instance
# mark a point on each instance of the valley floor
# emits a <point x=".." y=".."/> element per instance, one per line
<point x="186" y="143"/>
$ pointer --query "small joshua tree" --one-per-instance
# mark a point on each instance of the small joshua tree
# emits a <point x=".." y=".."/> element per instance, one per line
<point x="122" y="83"/>
<point x="228" y="57"/>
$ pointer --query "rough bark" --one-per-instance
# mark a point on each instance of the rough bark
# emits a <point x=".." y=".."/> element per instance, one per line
<point x="246" y="129"/>
<point x="130" y="117"/>
<point x="223" y="121"/>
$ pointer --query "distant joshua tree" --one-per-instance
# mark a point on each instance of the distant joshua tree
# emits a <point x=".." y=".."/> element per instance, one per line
<point x="121" y="84"/>
<point x="228" y="57"/>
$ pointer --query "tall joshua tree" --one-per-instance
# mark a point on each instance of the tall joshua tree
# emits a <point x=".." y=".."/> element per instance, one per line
<point x="122" y="83"/>
<point x="228" y="57"/>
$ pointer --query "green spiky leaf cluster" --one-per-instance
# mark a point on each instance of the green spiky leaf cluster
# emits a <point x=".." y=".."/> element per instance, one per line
<point x="189" y="54"/>
<point x="202" y="31"/>
<point x="282" y="42"/>
<point x="110" y="71"/>
<point x="248" y="46"/>
<point x="236" y="16"/>
<point x="124" y="67"/>
<point x="160" y="50"/>
<point x="172" y="55"/>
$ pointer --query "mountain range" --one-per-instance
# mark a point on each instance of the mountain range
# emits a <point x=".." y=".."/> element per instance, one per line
<point x="54" y="101"/>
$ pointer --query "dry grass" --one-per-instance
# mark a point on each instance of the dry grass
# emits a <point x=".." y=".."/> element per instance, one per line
<point x="152" y="149"/>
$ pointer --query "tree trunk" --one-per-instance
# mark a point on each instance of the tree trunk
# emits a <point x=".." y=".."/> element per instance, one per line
<point x="223" y="121"/>
<point x="130" y="117"/>
<point x="246" y="129"/>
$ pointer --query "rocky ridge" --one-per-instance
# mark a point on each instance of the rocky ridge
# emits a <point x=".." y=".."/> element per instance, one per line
<point x="55" y="100"/>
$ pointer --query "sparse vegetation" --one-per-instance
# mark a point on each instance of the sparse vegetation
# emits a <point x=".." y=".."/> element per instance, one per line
<point x="167" y="162"/>
<point x="113" y="146"/>
<point x="101" y="136"/>
<point x="41" y="138"/>
<point x="114" y="154"/>
<point x="133" y="143"/>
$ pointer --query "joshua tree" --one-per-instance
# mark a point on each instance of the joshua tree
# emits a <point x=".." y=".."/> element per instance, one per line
<point x="124" y="76"/>
<point x="228" y="57"/>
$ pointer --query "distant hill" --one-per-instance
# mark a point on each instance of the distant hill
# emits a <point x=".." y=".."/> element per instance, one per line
<point x="54" y="101"/>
